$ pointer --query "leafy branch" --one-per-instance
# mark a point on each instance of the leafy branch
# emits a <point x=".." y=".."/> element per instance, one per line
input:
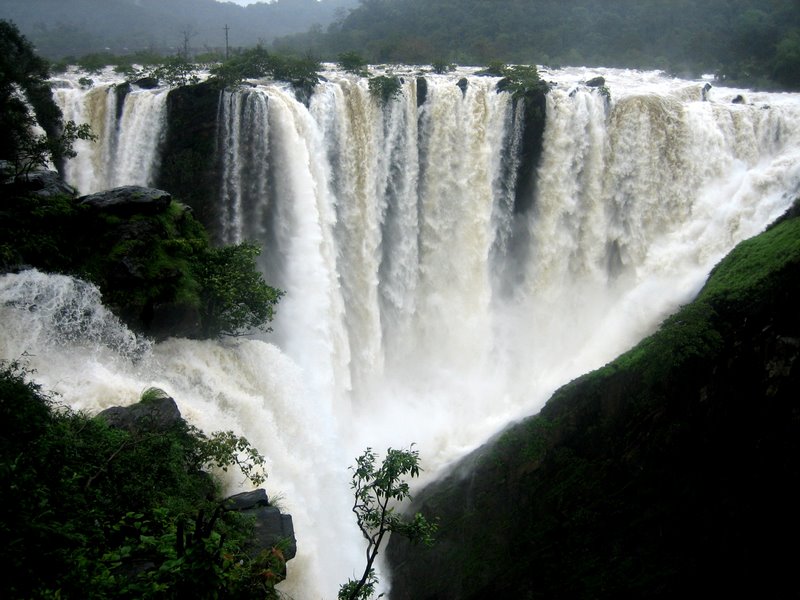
<point x="377" y="489"/>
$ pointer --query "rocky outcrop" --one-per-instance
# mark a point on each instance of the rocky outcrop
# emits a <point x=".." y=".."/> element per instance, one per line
<point x="42" y="183"/>
<point x="597" y="82"/>
<point x="159" y="414"/>
<point x="141" y="275"/>
<point x="422" y="91"/>
<point x="135" y="243"/>
<point x="190" y="168"/>
<point x="669" y="473"/>
<point x="129" y="200"/>
<point x="271" y="527"/>
<point x="146" y="83"/>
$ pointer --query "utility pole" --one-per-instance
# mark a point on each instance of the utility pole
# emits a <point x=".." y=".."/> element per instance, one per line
<point x="226" y="41"/>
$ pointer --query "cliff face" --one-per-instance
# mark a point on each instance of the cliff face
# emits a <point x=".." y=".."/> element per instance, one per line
<point x="672" y="470"/>
<point x="190" y="166"/>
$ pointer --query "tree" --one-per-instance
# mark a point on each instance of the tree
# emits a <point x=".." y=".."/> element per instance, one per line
<point x="235" y="298"/>
<point x="787" y="60"/>
<point x="36" y="151"/>
<point x="175" y="71"/>
<point x="376" y="491"/>
<point x="385" y="88"/>
<point x="23" y="80"/>
<point x="354" y="63"/>
<point x="24" y="86"/>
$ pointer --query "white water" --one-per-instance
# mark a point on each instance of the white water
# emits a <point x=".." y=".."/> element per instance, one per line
<point x="420" y="307"/>
<point x="126" y="151"/>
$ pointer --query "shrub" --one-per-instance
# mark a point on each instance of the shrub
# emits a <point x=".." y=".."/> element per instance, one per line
<point x="89" y="511"/>
<point x="385" y="88"/>
<point x="353" y="62"/>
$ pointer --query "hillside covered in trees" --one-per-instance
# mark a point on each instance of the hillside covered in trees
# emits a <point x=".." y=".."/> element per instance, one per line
<point x="753" y="41"/>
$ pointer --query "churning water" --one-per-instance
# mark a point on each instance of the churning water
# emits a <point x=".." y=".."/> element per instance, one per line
<point x="423" y="304"/>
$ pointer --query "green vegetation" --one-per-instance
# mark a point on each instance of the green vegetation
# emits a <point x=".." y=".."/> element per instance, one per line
<point x="743" y="41"/>
<point x="235" y="299"/>
<point x="442" y="66"/>
<point x="254" y="63"/>
<point x="385" y="88"/>
<point x="376" y="490"/>
<point x="21" y="70"/>
<point x="651" y="477"/>
<point x="92" y="511"/>
<point x="354" y="63"/>
<point x="174" y="71"/>
<point x="142" y="263"/>
<point x="518" y="80"/>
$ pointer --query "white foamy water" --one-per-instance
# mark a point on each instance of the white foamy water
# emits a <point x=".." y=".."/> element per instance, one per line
<point x="421" y="306"/>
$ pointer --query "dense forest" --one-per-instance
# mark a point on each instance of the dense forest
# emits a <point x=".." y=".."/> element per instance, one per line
<point x="753" y="41"/>
<point x="750" y="42"/>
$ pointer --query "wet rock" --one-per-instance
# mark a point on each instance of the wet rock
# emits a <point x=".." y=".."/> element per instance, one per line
<point x="596" y="82"/>
<point x="129" y="200"/>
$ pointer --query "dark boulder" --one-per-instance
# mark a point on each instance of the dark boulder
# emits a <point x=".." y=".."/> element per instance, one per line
<point x="41" y="182"/>
<point x="739" y="99"/>
<point x="160" y="414"/>
<point x="596" y="82"/>
<point x="129" y="200"/>
<point x="146" y="83"/>
<point x="706" y="89"/>
<point x="246" y="500"/>
<point x="271" y="527"/>
<point x="463" y="83"/>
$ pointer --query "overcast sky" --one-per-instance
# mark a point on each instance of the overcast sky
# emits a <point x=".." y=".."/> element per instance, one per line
<point x="242" y="2"/>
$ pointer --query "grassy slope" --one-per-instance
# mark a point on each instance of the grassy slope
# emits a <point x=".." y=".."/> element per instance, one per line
<point x="670" y="470"/>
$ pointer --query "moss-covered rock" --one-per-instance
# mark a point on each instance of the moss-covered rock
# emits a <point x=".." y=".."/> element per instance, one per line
<point x="150" y="257"/>
<point x="673" y="471"/>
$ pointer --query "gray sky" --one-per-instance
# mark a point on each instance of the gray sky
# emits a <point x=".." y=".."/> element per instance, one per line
<point x="242" y="2"/>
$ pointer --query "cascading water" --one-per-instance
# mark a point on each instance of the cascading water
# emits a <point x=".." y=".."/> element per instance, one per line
<point x="126" y="152"/>
<point x="421" y="306"/>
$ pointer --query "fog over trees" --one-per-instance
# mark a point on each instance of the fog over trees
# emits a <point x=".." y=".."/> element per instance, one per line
<point x="753" y="42"/>
<point x="61" y="28"/>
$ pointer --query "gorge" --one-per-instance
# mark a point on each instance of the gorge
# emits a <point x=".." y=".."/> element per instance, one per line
<point x="432" y="295"/>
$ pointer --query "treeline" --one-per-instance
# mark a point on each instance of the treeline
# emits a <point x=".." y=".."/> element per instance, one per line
<point x="750" y="41"/>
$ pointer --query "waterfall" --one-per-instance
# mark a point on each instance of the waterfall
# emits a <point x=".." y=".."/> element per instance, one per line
<point x="420" y="306"/>
<point x="127" y="148"/>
